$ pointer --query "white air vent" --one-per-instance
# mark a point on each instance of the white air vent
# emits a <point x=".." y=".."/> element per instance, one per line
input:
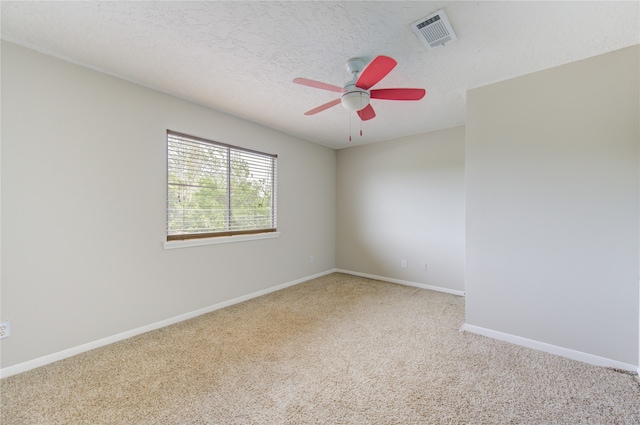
<point x="434" y="30"/>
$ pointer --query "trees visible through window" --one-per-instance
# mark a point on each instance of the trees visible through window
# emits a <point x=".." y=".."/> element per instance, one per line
<point x="216" y="189"/>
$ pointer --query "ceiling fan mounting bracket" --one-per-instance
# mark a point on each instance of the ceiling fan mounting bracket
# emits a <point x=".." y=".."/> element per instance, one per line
<point x="354" y="66"/>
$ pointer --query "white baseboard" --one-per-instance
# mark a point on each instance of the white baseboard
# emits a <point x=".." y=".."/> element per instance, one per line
<point x="403" y="282"/>
<point x="60" y="355"/>
<point x="551" y="349"/>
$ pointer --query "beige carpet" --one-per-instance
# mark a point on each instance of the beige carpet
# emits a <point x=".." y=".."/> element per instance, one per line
<point x="334" y="350"/>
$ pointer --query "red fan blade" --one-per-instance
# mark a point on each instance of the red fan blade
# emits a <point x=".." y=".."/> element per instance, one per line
<point x="398" y="94"/>
<point x="367" y="113"/>
<point x="375" y="71"/>
<point x="323" y="107"/>
<point x="318" y="85"/>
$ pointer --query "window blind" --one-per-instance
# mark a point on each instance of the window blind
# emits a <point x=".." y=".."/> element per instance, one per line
<point x="215" y="189"/>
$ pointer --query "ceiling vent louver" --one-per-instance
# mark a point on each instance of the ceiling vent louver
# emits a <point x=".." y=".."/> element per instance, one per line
<point x="434" y="30"/>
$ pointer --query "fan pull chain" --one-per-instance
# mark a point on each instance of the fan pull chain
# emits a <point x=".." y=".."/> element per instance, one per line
<point x="351" y="126"/>
<point x="361" y="109"/>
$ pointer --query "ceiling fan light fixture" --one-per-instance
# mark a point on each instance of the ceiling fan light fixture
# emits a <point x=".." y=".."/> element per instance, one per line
<point x="355" y="100"/>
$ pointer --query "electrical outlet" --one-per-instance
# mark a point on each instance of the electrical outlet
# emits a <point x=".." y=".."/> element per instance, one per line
<point x="424" y="266"/>
<point x="311" y="259"/>
<point x="5" y="329"/>
<point x="404" y="263"/>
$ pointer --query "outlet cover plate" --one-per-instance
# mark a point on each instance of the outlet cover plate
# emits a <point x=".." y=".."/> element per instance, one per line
<point x="5" y="329"/>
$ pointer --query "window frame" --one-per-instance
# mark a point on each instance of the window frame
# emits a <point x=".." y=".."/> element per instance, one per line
<point x="228" y="235"/>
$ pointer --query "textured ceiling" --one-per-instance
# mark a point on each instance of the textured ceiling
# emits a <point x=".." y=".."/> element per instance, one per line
<point x="241" y="57"/>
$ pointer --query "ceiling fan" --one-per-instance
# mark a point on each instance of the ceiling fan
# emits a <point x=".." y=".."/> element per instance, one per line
<point x="357" y="92"/>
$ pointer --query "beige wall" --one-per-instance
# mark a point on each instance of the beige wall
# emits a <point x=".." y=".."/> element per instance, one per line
<point x="403" y="199"/>
<point x="552" y="206"/>
<point x="83" y="208"/>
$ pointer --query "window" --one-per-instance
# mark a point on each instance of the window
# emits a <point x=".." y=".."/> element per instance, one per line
<point x="214" y="189"/>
